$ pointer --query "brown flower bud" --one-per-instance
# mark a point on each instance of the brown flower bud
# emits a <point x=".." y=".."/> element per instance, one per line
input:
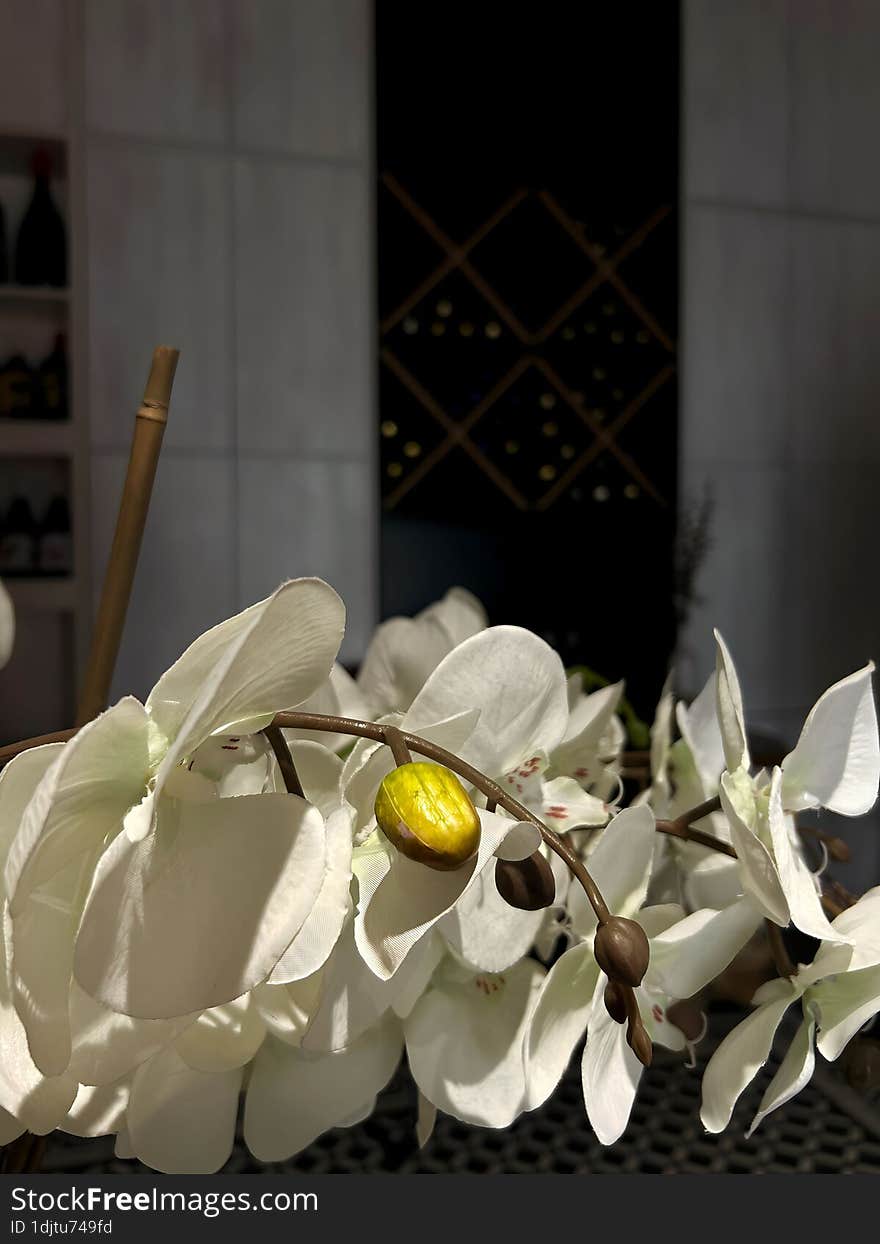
<point x="615" y="1002"/>
<point x="640" y="1043"/>
<point x="622" y="951"/>
<point x="528" y="884"/>
<point x="424" y="810"/>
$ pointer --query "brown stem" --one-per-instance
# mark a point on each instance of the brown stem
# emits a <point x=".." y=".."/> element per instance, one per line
<point x="681" y="827"/>
<point x="279" y="746"/>
<point x="399" y="749"/>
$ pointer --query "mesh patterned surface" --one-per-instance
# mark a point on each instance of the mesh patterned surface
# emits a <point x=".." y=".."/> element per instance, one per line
<point x="812" y="1134"/>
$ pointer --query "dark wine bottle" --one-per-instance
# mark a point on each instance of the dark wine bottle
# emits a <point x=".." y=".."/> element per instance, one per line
<point x="16" y="389"/>
<point x="41" y="246"/>
<point x="50" y="383"/>
<point x="18" y="541"/>
<point x="55" y="556"/>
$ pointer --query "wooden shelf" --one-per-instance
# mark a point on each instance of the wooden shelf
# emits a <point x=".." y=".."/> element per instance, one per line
<point x="41" y="294"/>
<point x="43" y="595"/>
<point x="36" y="438"/>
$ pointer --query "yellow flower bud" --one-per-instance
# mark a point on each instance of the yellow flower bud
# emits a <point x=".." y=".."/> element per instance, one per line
<point x="424" y="810"/>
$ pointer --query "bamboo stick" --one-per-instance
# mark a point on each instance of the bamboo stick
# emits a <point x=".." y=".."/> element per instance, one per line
<point x="145" y="448"/>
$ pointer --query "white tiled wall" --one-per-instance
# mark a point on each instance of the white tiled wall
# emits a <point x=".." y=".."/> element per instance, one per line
<point x="229" y="191"/>
<point x="781" y="344"/>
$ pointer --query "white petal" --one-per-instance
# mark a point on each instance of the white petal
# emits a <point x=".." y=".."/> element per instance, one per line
<point x="459" y="613"/>
<point x="287" y="1009"/>
<point x="796" y="880"/>
<point x="485" y="931"/>
<point x="620" y="865"/>
<point x="795" y="1072"/>
<point x="320" y="931"/>
<point x="518" y="684"/>
<point x="224" y="1037"/>
<point x="559" y="1020"/>
<point x="203" y="909"/>
<point x="37" y="1101"/>
<point x="319" y="771"/>
<point x="757" y="868"/>
<point x="400" y="899"/>
<point x="589" y="718"/>
<point x="523" y="841"/>
<point x="293" y="1096"/>
<point x="686" y="957"/>
<point x="10" y="1128"/>
<point x="93" y="781"/>
<point x="465" y="1039"/>
<point x="97" y="1111"/>
<point x="267" y="659"/>
<point x="108" y="1046"/>
<point x="699" y="728"/>
<point x="180" y="1121"/>
<point x="836" y="762"/>
<point x="610" y="1073"/>
<point x="860" y="924"/>
<point x="565" y="805"/>
<point x="401" y="656"/>
<point x="845" y="1004"/>
<point x="19" y="779"/>
<point x="738" y="1059"/>
<point x="730" y="709"/>
<point x="427" y="1118"/>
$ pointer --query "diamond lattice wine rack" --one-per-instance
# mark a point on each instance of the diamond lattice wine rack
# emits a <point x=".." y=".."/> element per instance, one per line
<point x="528" y="318"/>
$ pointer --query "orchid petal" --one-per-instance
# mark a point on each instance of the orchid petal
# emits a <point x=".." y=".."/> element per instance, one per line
<point x="729" y="707"/>
<point x="690" y="954"/>
<point x="845" y="1004"/>
<point x="269" y="658"/>
<point x="836" y="761"/>
<point x="203" y="909"/>
<point x="224" y="1037"/>
<point x="738" y="1059"/>
<point x="321" y="928"/>
<point x="794" y="1073"/>
<point x="699" y="728"/>
<point x="464" y="1042"/>
<point x="757" y="868"/>
<point x="484" y="930"/>
<point x="610" y="1073"/>
<point x="108" y="1046"/>
<point x="518" y="684"/>
<point x="620" y="864"/>
<point x="294" y="1097"/>
<point x="38" y="1102"/>
<point x="559" y="1020"/>
<point x="97" y="1111"/>
<point x="796" y="880"/>
<point x="181" y="1121"/>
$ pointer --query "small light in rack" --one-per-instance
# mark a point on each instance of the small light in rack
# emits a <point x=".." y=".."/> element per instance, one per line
<point x="550" y="428"/>
<point x="395" y="470"/>
<point x="567" y="452"/>
<point x="631" y="491"/>
<point x="547" y="400"/>
<point x="601" y="492"/>
<point x="466" y="328"/>
<point x="511" y="447"/>
<point x="389" y="428"/>
<point x="412" y="449"/>
<point x="493" y="330"/>
<point x="438" y="329"/>
<point x="547" y="472"/>
<point x="410" y="325"/>
<point x="444" y="308"/>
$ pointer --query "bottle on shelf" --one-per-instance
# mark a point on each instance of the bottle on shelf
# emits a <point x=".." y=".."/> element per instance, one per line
<point x="55" y="545"/>
<point x="50" y="383"/>
<point x="16" y="389"/>
<point x="41" y="245"/>
<point x="18" y="540"/>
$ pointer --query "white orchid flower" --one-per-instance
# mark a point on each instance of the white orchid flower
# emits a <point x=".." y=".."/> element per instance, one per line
<point x="594" y="736"/>
<point x="404" y="652"/>
<point x="838" y="993"/>
<point x="514" y="686"/>
<point x="686" y="953"/>
<point x="465" y="1041"/>
<point x="835" y="764"/>
<point x="178" y="913"/>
